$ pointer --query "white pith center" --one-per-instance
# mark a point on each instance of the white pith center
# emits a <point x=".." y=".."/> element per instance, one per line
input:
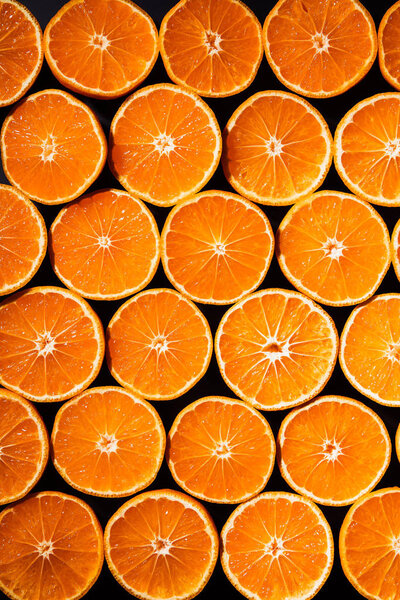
<point x="275" y="350"/>
<point x="164" y="143"/>
<point x="100" y="41"/>
<point x="331" y="450"/>
<point x="392" y="148"/>
<point x="396" y="545"/>
<point x="212" y="41"/>
<point x="393" y="352"/>
<point x="160" y="343"/>
<point x="219" y="249"/>
<point x="333" y="248"/>
<point x="45" y="344"/>
<point x="161" y="546"/>
<point x="274" y="146"/>
<point x="222" y="450"/>
<point x="107" y="443"/>
<point x="274" y="548"/>
<point x="320" y="42"/>
<point x="45" y="548"/>
<point x="48" y="149"/>
<point x="104" y="241"/>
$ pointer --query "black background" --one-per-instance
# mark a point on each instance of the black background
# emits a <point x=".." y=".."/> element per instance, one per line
<point x="212" y="384"/>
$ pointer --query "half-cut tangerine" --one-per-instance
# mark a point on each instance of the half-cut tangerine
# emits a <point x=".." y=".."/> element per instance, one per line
<point x="388" y="45"/>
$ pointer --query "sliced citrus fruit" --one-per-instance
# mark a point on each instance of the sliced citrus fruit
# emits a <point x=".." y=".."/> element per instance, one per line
<point x="277" y="545"/>
<point x="277" y="148"/>
<point x="161" y="545"/>
<point x="388" y="45"/>
<point x="221" y="450"/>
<point x="52" y="147"/>
<point x="24" y="447"/>
<point x="105" y="246"/>
<point x="397" y="442"/>
<point x="51" y="344"/>
<point x="395" y="249"/>
<point x="276" y="348"/>
<point x="334" y="247"/>
<point x="165" y="144"/>
<point x="108" y="442"/>
<point x="319" y="49"/>
<point x="101" y="49"/>
<point x="21" y="51"/>
<point x="369" y="544"/>
<point x="333" y="450"/>
<point x="23" y="239"/>
<point x="216" y="247"/>
<point x="213" y="48"/>
<point x="51" y="546"/>
<point x="159" y="344"/>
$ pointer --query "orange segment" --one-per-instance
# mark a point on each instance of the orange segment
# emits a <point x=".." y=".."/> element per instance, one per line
<point x="213" y="48"/>
<point x="334" y="247"/>
<point x="397" y="442"/>
<point x="165" y="144"/>
<point x="395" y="249"/>
<point x="161" y="545"/>
<point x="105" y="246"/>
<point x="52" y="147"/>
<point x="278" y="546"/>
<point x="277" y="148"/>
<point x="51" y="344"/>
<point x="276" y="348"/>
<point x="51" y="546"/>
<point x="388" y="45"/>
<point x="216" y="247"/>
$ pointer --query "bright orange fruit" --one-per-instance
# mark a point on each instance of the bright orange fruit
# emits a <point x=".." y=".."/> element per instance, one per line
<point x="388" y="45"/>
<point x="397" y="442"/>
<point x="395" y="249"/>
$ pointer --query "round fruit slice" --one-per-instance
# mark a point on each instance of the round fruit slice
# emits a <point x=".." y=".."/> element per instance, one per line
<point x="276" y="348"/>
<point x="23" y="239"/>
<point x="216" y="247"/>
<point x="388" y="45"/>
<point x="213" y="48"/>
<point x="221" y="450"/>
<point x="397" y="442"/>
<point x="52" y="147"/>
<point x="319" y="49"/>
<point x="277" y="545"/>
<point x="21" y="51"/>
<point x="51" y="344"/>
<point x="333" y="450"/>
<point x="51" y="546"/>
<point x="395" y="249"/>
<point x="334" y="247"/>
<point x="108" y="442"/>
<point x="277" y="148"/>
<point x="105" y="246"/>
<point x="159" y="344"/>
<point x="369" y="544"/>
<point x="24" y="447"/>
<point x="103" y="50"/>
<point x="165" y="144"/>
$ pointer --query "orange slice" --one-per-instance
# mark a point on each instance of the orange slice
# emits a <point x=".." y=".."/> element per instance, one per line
<point x="105" y="246"/>
<point x="51" y="344"/>
<point x="276" y="348"/>
<point x="165" y="144"/>
<point x="277" y="148"/>
<point x="216" y="247"/>
<point x="51" y="546"/>
<point x="277" y="545"/>
<point x="221" y="450"/>
<point x="319" y="49"/>
<point x="388" y="45"/>
<point x="101" y="49"/>
<point x="161" y="545"/>
<point x="333" y="450"/>
<point x="24" y="447"/>
<point x="334" y="247"/>
<point x="21" y="51"/>
<point x="213" y="48"/>
<point x="159" y="344"/>
<point x="108" y="442"/>
<point x="369" y="544"/>
<point x="52" y="147"/>
<point x="395" y="249"/>
<point x="397" y="442"/>
<point x="23" y="239"/>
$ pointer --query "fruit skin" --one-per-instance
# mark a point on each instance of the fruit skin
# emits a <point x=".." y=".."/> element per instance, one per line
<point x="393" y="247"/>
<point x="381" y="55"/>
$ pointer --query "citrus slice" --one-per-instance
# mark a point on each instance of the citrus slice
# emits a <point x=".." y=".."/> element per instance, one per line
<point x="369" y="544"/>
<point x="159" y="344"/>
<point x="388" y="45"/>
<point x="161" y="545"/>
<point x="51" y="344"/>
<point x="276" y="348"/>
<point x="165" y="144"/>
<point x="23" y="239"/>
<point x="21" y="51"/>
<point x="51" y="546"/>
<point x="52" y="147"/>
<point x="216" y="247"/>
<point x="213" y="48"/>
<point x="319" y="49"/>
<point x="395" y="249"/>
<point x="101" y="49"/>
<point x="333" y="450"/>
<point x="105" y="246"/>
<point x="24" y="447"/>
<point x="397" y="442"/>
<point x="277" y="545"/>
<point x="221" y="450"/>
<point x="277" y="148"/>
<point x="334" y="247"/>
<point x="108" y="442"/>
